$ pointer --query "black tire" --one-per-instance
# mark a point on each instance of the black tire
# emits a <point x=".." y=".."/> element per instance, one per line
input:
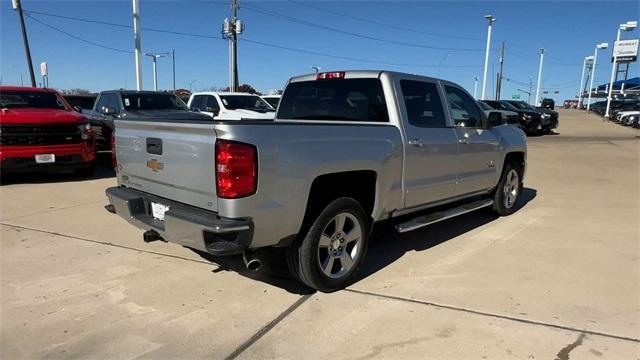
<point x="501" y="206"/>
<point x="304" y="256"/>
<point x="86" y="171"/>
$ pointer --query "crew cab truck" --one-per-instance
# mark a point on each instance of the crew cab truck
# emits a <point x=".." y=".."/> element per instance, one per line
<point x="40" y="131"/>
<point x="345" y="150"/>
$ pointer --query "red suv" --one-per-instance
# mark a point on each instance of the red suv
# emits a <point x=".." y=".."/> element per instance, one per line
<point x="39" y="130"/>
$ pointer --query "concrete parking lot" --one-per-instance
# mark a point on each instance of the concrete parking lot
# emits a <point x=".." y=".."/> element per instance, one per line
<point x="559" y="279"/>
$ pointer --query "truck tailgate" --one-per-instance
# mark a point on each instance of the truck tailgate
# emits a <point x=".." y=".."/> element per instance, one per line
<point x="174" y="160"/>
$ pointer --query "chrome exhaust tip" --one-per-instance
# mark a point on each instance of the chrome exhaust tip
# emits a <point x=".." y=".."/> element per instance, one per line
<point x="251" y="261"/>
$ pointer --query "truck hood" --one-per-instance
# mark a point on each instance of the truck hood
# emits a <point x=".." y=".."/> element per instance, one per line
<point x="39" y="116"/>
<point x="165" y="115"/>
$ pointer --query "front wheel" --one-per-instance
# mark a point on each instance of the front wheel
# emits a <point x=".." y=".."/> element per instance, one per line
<point x="508" y="190"/>
<point x="333" y="248"/>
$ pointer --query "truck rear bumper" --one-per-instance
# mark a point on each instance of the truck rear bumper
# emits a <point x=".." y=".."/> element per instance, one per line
<point x="183" y="224"/>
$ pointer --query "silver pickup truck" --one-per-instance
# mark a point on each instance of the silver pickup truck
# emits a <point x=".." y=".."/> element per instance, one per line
<point x="345" y="150"/>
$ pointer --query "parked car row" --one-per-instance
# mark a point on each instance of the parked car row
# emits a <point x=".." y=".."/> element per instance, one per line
<point x="532" y="120"/>
<point x="621" y="111"/>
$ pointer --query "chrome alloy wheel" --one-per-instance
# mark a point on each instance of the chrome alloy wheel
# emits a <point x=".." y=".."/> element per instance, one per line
<point x="339" y="245"/>
<point x="511" y="188"/>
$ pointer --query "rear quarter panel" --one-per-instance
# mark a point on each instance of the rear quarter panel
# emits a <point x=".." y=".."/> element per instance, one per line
<point x="292" y="155"/>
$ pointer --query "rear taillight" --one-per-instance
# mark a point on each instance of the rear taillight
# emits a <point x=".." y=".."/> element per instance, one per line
<point x="330" y="75"/>
<point x="236" y="169"/>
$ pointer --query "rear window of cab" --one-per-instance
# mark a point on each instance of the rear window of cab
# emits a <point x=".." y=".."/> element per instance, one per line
<point x="360" y="100"/>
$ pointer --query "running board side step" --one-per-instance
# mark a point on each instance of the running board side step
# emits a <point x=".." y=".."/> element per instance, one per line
<point x="429" y="219"/>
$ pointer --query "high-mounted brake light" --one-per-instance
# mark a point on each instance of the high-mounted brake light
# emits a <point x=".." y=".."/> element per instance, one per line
<point x="330" y="75"/>
<point x="236" y="169"/>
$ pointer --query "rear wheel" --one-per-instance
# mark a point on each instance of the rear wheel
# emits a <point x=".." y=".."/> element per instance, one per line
<point x="508" y="190"/>
<point x="333" y="248"/>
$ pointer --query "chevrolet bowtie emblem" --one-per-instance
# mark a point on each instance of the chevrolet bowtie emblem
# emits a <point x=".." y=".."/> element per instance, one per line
<point x="154" y="165"/>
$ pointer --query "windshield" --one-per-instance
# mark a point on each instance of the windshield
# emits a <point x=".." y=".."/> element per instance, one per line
<point x="152" y="101"/>
<point x="345" y="100"/>
<point x="246" y="102"/>
<point x="484" y="106"/>
<point x="521" y="105"/>
<point x="500" y="105"/>
<point x="85" y="102"/>
<point x="273" y="101"/>
<point x="31" y="99"/>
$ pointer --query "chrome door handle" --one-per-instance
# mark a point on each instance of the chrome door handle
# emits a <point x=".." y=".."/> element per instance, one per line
<point x="416" y="142"/>
<point x="465" y="139"/>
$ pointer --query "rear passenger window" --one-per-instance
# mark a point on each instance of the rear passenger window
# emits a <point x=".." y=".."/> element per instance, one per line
<point x="464" y="109"/>
<point x="198" y="103"/>
<point x="335" y="99"/>
<point x="424" y="108"/>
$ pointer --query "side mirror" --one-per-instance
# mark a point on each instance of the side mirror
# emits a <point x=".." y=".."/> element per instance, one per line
<point x="77" y="108"/>
<point x="495" y="119"/>
<point x="212" y="110"/>
<point x="107" y="110"/>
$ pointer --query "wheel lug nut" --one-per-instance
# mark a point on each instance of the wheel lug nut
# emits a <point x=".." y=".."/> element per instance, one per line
<point x="340" y="248"/>
<point x="341" y="240"/>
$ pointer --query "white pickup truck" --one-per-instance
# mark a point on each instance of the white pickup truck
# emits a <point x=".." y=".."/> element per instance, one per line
<point x="231" y="106"/>
<point x="345" y="150"/>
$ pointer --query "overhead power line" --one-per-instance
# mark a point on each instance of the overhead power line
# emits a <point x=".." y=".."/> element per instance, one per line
<point x="77" y="37"/>
<point x="310" y="52"/>
<point x="387" y="25"/>
<point x="303" y="51"/>
<point x="278" y="15"/>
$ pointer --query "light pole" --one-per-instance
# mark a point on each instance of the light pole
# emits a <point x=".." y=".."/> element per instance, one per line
<point x="628" y="26"/>
<point x="475" y="87"/>
<point x="580" y="91"/>
<point x="539" y="77"/>
<point x="593" y="72"/>
<point x="316" y="68"/>
<point x="154" y="58"/>
<point x="137" y="43"/>
<point x="491" y="20"/>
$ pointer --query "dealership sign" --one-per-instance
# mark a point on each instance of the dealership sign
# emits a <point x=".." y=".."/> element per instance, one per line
<point x="626" y="50"/>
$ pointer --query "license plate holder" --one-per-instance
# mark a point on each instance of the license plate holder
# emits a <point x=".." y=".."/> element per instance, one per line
<point x="158" y="211"/>
<point x="45" y="158"/>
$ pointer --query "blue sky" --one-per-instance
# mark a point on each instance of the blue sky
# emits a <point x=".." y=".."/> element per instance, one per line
<point x="568" y="30"/>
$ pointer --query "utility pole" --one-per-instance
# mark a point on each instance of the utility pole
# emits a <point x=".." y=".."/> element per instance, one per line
<point x="499" y="84"/>
<point x="173" y="57"/>
<point x="137" y="41"/>
<point x="231" y="30"/>
<point x="17" y="5"/>
<point x="491" y="20"/>
<point x="539" y="76"/>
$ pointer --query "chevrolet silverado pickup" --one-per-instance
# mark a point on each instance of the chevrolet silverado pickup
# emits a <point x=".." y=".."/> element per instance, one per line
<point x="346" y="149"/>
<point x="40" y="131"/>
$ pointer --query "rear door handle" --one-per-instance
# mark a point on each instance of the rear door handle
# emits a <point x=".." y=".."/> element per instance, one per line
<point x="465" y="139"/>
<point x="416" y="142"/>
